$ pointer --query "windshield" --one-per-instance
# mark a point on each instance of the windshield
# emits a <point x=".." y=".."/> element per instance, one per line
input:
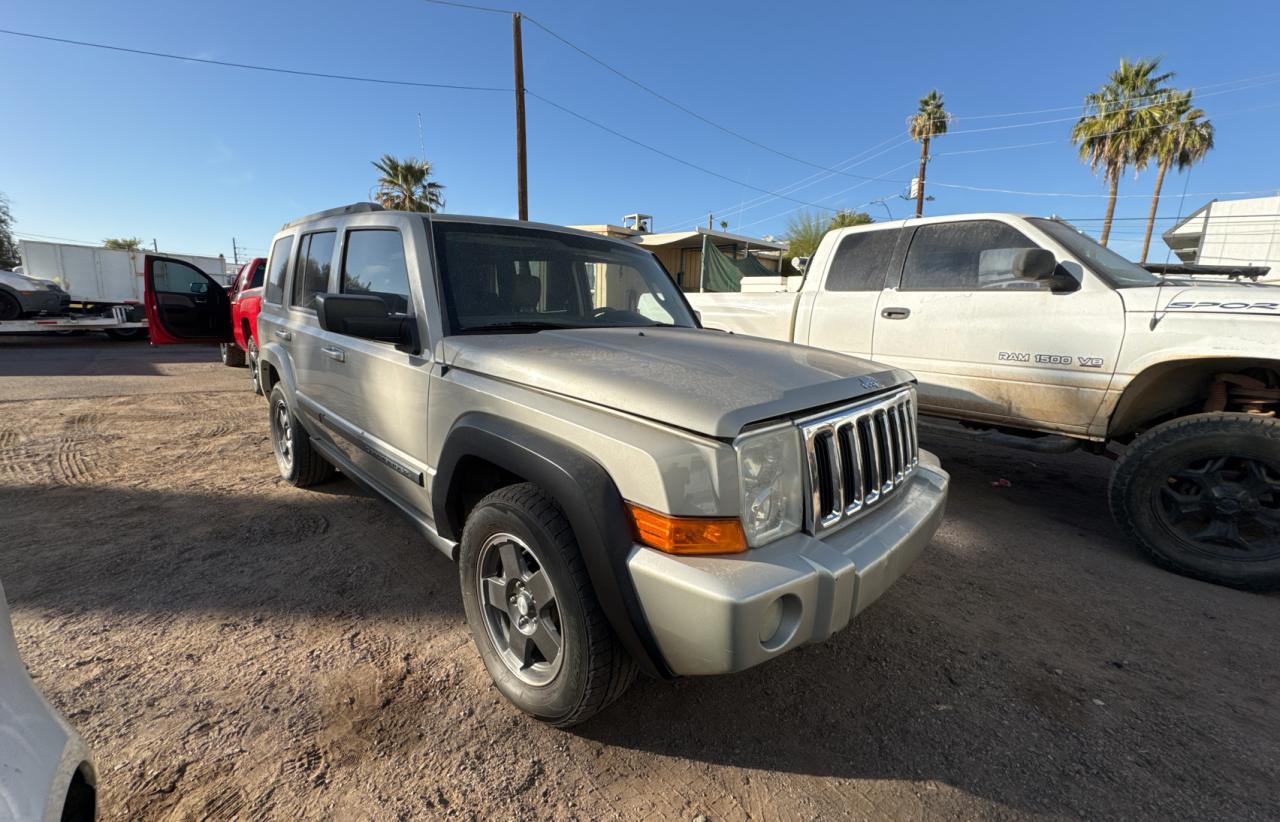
<point x="1113" y="268"/>
<point x="512" y="279"/>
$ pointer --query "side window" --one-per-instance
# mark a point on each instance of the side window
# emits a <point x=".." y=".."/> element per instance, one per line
<point x="862" y="261"/>
<point x="173" y="277"/>
<point x="373" y="263"/>
<point x="256" y="276"/>
<point x="279" y="265"/>
<point x="970" y="256"/>
<point x="311" y="275"/>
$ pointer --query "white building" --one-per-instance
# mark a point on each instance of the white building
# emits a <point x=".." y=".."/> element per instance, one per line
<point x="1231" y="233"/>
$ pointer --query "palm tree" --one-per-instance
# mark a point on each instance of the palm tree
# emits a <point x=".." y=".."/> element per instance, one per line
<point x="929" y="121"/>
<point x="405" y="185"/>
<point x="1181" y="140"/>
<point x="1115" y="130"/>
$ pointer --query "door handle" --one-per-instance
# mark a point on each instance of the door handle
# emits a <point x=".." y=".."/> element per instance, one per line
<point x="335" y="353"/>
<point x="895" y="313"/>
<point x="283" y="335"/>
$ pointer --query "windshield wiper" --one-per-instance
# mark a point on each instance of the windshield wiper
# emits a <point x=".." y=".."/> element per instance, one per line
<point x="520" y="326"/>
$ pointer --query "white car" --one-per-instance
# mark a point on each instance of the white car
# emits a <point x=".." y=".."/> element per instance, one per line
<point x="46" y="771"/>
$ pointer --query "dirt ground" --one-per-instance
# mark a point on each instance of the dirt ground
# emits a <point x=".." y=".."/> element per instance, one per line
<point x="233" y="647"/>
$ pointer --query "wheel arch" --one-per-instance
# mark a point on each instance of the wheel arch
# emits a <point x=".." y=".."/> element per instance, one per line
<point x="1162" y="389"/>
<point x="583" y="489"/>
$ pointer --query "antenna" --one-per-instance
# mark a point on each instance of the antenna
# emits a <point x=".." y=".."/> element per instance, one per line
<point x="1155" y="307"/>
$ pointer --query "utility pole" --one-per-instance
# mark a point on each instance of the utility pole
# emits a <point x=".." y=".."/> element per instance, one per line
<point x="235" y="252"/>
<point x="924" y="160"/>
<point x="522" y="170"/>
<point x="155" y="245"/>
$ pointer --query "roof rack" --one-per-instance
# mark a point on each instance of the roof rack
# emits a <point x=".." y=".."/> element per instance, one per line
<point x="354" y="208"/>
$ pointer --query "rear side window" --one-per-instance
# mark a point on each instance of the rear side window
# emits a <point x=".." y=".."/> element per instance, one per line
<point x="279" y="265"/>
<point x="311" y="275"/>
<point x="862" y="261"/>
<point x="258" y="273"/>
<point x="970" y="256"/>
<point x="373" y="263"/>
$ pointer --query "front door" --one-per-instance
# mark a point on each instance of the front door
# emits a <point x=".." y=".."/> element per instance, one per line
<point x="989" y="346"/>
<point x="183" y="304"/>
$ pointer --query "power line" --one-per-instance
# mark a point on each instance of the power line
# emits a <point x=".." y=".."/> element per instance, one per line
<point x="681" y="160"/>
<point x="251" y="67"/>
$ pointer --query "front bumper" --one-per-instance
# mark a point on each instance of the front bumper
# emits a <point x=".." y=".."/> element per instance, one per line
<point x="720" y="614"/>
<point x="47" y="301"/>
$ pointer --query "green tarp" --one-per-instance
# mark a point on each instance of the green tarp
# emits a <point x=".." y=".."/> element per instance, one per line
<point x="719" y="273"/>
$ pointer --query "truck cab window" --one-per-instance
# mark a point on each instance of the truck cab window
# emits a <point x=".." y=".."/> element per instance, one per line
<point x="861" y="261"/>
<point x="970" y="256"/>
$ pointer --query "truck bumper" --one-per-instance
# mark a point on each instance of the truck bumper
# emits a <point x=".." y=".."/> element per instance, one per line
<point x="720" y="614"/>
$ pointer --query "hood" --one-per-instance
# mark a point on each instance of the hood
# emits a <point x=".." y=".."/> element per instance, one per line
<point x="704" y="381"/>
<point x="1254" y="299"/>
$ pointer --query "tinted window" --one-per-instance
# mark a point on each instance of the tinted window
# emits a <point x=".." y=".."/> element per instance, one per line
<point x="861" y="261"/>
<point x="259" y="271"/>
<point x="373" y="263"/>
<point x="279" y="265"/>
<point x="969" y="256"/>
<point x="311" y="276"/>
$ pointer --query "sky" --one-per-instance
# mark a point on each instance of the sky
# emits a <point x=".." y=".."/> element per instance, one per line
<point x="103" y="144"/>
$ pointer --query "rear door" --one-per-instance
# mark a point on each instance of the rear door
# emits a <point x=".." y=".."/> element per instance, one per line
<point x="842" y="316"/>
<point x="184" y="304"/>
<point x="989" y="346"/>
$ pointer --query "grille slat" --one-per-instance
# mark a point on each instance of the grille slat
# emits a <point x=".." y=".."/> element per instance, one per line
<point x="859" y="455"/>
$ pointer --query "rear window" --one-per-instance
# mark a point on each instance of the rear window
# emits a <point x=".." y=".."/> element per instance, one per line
<point x="311" y="275"/>
<point x="862" y="261"/>
<point x="279" y="265"/>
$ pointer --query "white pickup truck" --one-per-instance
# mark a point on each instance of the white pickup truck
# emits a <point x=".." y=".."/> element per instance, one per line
<point x="1026" y="326"/>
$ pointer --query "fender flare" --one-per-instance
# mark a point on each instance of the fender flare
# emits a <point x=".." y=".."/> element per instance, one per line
<point x="587" y="495"/>
<point x="272" y="354"/>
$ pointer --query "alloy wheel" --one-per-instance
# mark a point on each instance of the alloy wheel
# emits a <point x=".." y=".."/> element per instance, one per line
<point x="520" y="610"/>
<point x="282" y="435"/>
<point x="1225" y="507"/>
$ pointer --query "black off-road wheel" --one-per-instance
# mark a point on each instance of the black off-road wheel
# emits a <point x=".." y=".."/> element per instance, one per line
<point x="299" y="463"/>
<point x="532" y="610"/>
<point x="1201" y="495"/>
<point x="231" y="354"/>
<point x="255" y="372"/>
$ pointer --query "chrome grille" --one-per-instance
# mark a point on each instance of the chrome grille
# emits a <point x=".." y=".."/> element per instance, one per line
<point x="857" y="456"/>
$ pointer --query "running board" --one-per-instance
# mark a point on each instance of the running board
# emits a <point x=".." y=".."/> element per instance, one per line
<point x="1047" y="444"/>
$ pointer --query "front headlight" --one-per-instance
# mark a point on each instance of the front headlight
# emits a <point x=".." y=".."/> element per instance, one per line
<point x="769" y="475"/>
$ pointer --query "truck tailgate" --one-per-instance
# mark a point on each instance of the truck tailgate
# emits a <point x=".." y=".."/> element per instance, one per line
<point x="769" y="314"/>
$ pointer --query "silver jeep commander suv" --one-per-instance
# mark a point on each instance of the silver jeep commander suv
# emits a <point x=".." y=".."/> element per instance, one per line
<point x="622" y="489"/>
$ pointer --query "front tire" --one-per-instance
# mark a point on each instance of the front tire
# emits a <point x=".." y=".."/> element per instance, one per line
<point x="232" y="355"/>
<point x="1201" y="495"/>
<point x="10" y="308"/>
<point x="299" y="463"/>
<point x="532" y="610"/>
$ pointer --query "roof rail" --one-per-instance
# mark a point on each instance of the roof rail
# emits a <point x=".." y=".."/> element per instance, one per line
<point x="354" y="208"/>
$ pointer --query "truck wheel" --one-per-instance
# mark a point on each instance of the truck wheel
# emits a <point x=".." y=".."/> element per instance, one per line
<point x="10" y="308"/>
<point x="1201" y="495"/>
<point x="533" y="612"/>
<point x="231" y="354"/>
<point x="255" y="376"/>
<point x="299" y="463"/>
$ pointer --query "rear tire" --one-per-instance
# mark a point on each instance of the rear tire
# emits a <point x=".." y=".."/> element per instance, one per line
<point x="1201" y="495"/>
<point x="255" y="374"/>
<point x="232" y="355"/>
<point x="533" y="612"/>
<point x="300" y="465"/>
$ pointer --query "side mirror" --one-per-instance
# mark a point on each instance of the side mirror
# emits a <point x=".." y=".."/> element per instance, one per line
<point x="367" y="317"/>
<point x="1034" y="264"/>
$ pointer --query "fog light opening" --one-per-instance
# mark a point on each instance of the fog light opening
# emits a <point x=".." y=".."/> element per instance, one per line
<point x="780" y="621"/>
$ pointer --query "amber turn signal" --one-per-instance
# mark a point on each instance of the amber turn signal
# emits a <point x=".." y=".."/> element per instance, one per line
<point x="687" y="535"/>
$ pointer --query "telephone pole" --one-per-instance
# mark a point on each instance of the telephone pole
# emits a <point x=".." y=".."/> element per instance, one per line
<point x="235" y="252"/>
<point x="522" y="171"/>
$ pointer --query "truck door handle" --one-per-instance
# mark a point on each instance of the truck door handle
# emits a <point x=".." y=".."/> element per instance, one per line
<point x="283" y="335"/>
<point x="895" y="313"/>
<point x="335" y="353"/>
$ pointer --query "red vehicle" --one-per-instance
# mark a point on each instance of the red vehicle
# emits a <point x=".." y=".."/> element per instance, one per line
<point x="246" y="302"/>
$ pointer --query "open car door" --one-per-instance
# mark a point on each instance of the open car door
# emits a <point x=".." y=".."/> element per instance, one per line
<point x="183" y="304"/>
